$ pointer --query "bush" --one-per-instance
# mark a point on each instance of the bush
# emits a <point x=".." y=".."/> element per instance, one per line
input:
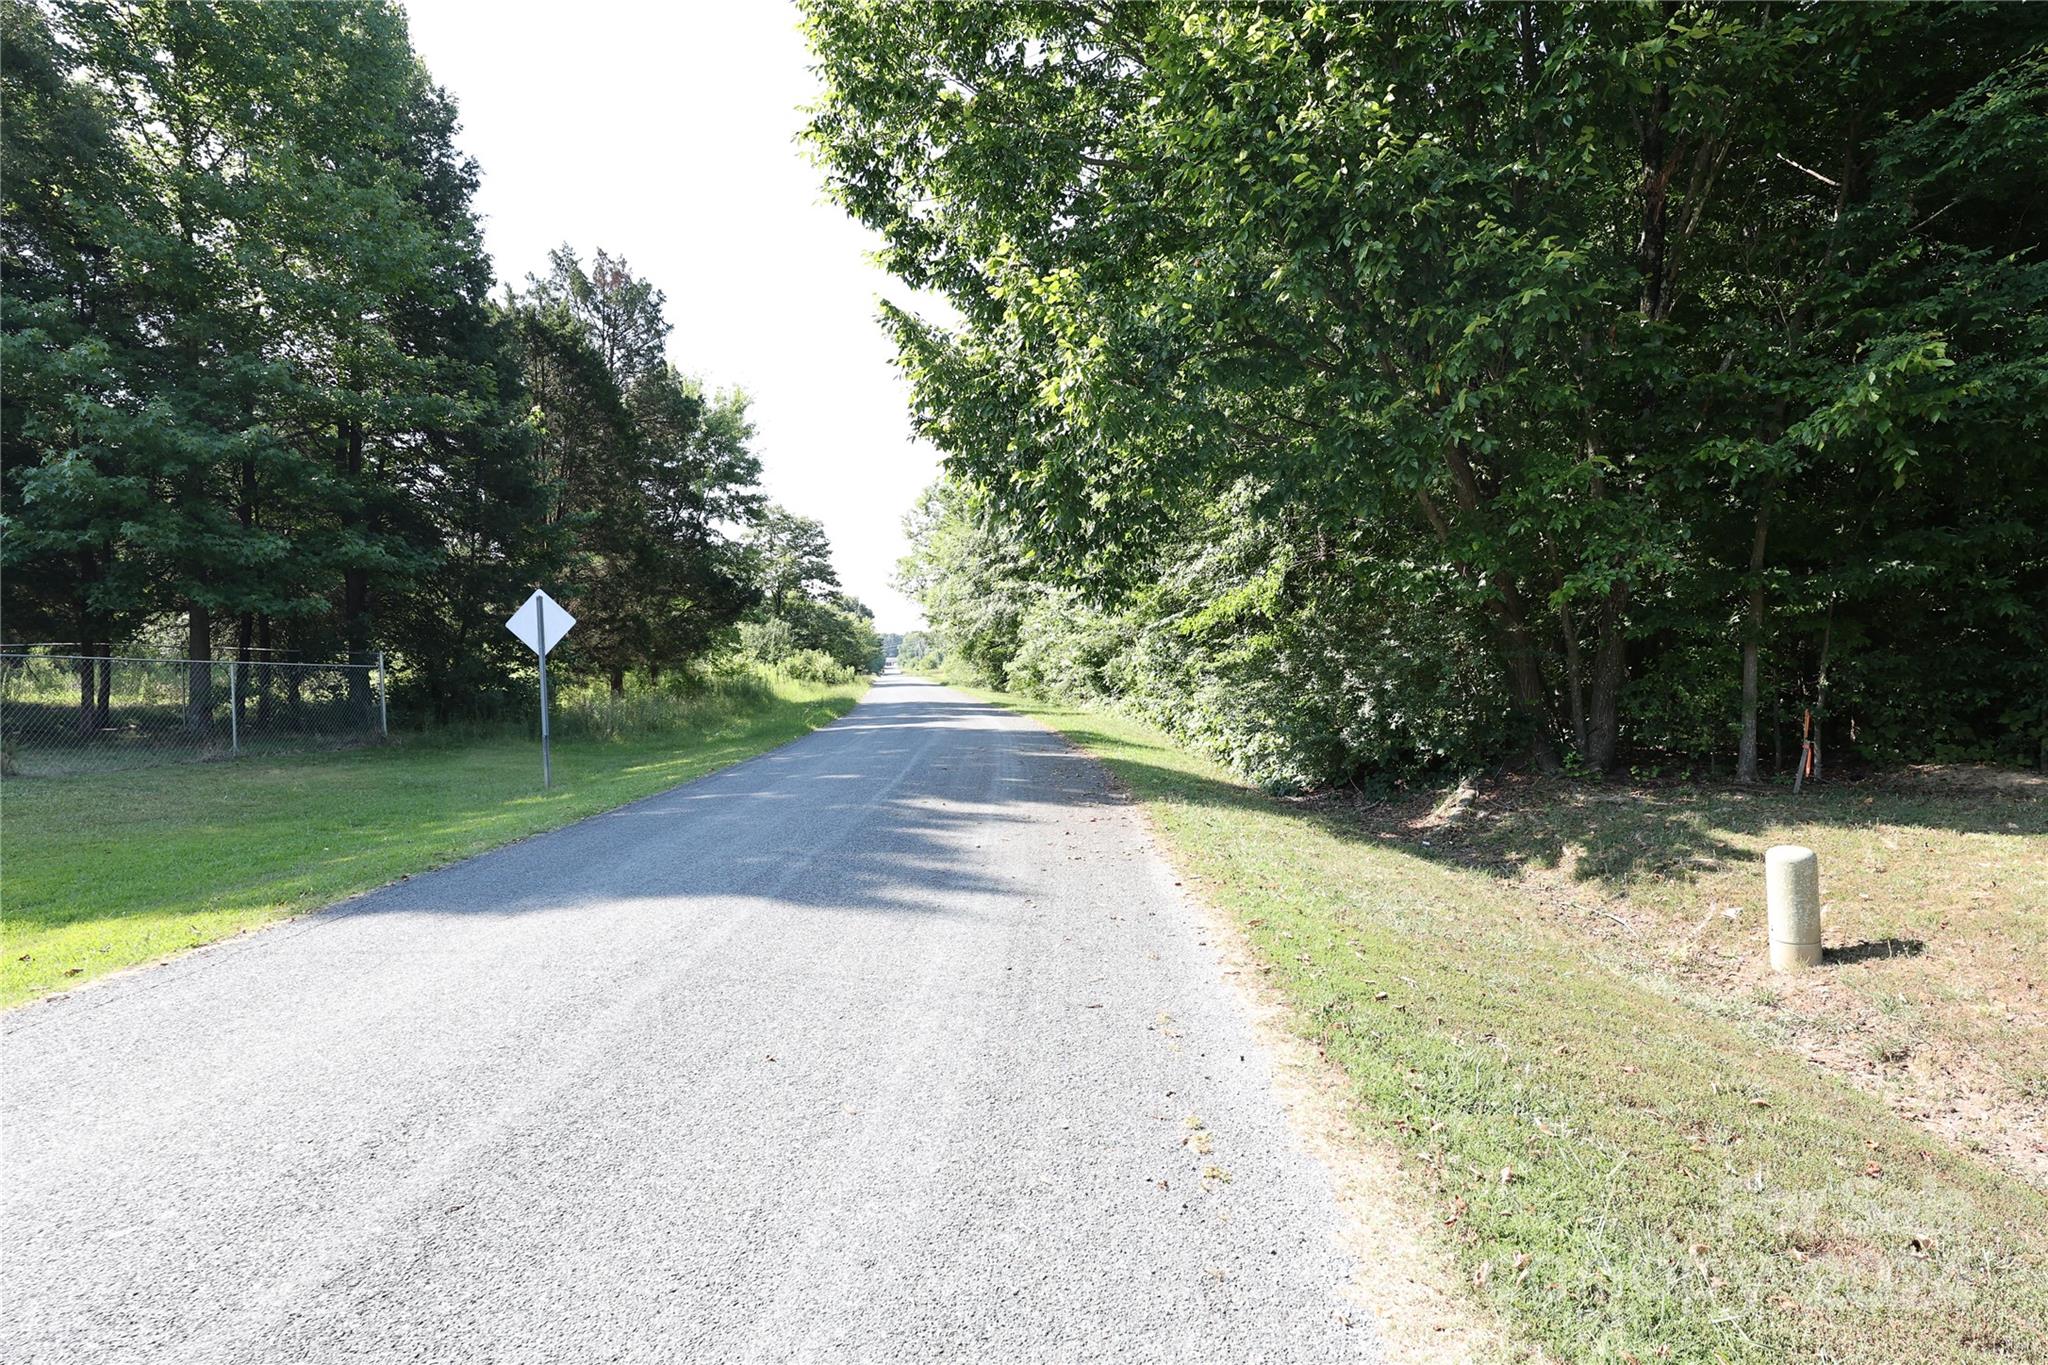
<point x="815" y="665"/>
<point x="685" y="699"/>
<point x="769" y="642"/>
<point x="1296" y="674"/>
<point x="1064" y="649"/>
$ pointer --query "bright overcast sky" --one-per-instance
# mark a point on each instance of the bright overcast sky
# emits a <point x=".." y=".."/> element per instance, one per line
<point x="666" y="133"/>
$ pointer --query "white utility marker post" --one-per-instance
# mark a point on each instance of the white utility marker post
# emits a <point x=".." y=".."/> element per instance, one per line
<point x="541" y="623"/>
<point x="1792" y="891"/>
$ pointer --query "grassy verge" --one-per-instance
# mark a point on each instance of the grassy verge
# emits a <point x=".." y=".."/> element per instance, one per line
<point x="1622" y="1170"/>
<point x="1935" y="891"/>
<point x="111" y="870"/>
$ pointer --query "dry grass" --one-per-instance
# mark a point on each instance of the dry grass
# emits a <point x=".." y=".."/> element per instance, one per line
<point x="1934" y="993"/>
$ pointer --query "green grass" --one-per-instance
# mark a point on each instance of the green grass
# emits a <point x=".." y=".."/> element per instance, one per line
<point x="111" y="870"/>
<point x="1623" y="1174"/>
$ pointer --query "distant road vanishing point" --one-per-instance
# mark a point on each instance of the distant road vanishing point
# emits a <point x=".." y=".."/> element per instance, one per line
<point x="892" y="1044"/>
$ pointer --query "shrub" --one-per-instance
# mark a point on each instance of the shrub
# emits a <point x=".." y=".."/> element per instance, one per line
<point x="769" y="642"/>
<point x="816" y="666"/>
<point x="685" y="699"/>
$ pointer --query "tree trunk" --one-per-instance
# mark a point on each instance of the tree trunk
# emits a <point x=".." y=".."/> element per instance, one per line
<point x="84" y="723"/>
<point x="105" y="709"/>
<point x="263" y="669"/>
<point x="1525" y="674"/>
<point x="245" y="629"/>
<point x="618" y="682"/>
<point x="293" y="678"/>
<point x="1752" y="644"/>
<point x="88" y="670"/>
<point x="1574" y="677"/>
<point x="1653" y="304"/>
<point x="355" y="592"/>
<point x="1517" y="645"/>
<point x="355" y="609"/>
<point x="1820" y="690"/>
<point x="1653" y="301"/>
<point x="199" y="672"/>
<point x="1610" y="669"/>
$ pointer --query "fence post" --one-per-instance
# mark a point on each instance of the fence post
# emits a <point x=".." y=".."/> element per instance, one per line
<point x="383" y="712"/>
<point x="234" y="712"/>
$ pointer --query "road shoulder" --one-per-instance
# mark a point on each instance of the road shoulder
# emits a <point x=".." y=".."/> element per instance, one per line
<point x="1403" y="1274"/>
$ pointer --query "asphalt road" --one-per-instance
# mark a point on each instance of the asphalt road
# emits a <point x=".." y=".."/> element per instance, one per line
<point x="881" y="1046"/>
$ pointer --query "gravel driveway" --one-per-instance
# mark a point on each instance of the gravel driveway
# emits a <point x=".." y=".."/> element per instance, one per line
<point x="892" y="1044"/>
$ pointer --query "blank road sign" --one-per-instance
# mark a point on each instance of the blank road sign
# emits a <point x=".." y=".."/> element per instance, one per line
<point x="526" y="622"/>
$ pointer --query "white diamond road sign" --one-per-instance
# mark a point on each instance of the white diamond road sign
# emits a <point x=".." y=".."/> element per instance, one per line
<point x="541" y="623"/>
<point x="528" y="621"/>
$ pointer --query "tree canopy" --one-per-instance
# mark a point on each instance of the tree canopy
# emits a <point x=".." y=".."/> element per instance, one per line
<point x="1419" y="384"/>
<point x="259" y="392"/>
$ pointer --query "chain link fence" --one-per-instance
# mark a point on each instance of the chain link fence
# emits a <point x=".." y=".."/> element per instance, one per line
<point x="72" y="713"/>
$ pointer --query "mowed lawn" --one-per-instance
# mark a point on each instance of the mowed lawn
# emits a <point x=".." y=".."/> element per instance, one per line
<point x="1637" y="1146"/>
<point x="110" y="870"/>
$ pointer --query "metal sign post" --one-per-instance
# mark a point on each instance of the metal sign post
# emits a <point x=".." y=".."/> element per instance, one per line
<point x="541" y="623"/>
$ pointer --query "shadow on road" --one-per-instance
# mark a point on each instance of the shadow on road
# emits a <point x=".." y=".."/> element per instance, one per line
<point x="885" y="810"/>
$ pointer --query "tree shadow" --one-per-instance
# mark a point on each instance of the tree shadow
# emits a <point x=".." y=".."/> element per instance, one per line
<point x="1608" y="833"/>
<point x="1678" y="831"/>
<point x="1874" y="948"/>
<point x="886" y="810"/>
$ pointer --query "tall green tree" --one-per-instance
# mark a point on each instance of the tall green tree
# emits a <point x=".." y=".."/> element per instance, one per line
<point x="1551" y="305"/>
<point x="68" y="345"/>
<point x="284" y="415"/>
<point x="652" y="479"/>
<point x="588" y="458"/>
<point x="702" y="477"/>
<point x="792" y="558"/>
<point x="256" y="382"/>
<point x="471" y="485"/>
<point x="620" y="312"/>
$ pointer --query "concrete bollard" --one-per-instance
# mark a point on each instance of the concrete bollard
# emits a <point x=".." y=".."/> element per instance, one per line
<point x="1792" y="890"/>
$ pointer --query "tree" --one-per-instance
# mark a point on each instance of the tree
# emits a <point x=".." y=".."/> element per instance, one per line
<point x="792" y="558"/>
<point x="592" y="468"/>
<point x="970" y="576"/>
<point x="650" y="476"/>
<point x="256" y="381"/>
<point x="66" y="343"/>
<point x="225" y="145"/>
<point x="1471" y="293"/>
<point x="701" y="487"/>
<point x="620" y="312"/>
<point x="841" y="627"/>
<point x="251" y="417"/>
<point x="472" y="485"/>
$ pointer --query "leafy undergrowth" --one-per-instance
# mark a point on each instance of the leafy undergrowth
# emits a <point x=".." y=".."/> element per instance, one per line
<point x="1624" y="1174"/>
<point x="107" y="871"/>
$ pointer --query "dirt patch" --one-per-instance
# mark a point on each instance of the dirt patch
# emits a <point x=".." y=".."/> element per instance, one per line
<point x="1966" y="779"/>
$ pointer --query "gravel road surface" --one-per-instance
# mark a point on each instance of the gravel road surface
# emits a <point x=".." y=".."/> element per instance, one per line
<point x="890" y="1044"/>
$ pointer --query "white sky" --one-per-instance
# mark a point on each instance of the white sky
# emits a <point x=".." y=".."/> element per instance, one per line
<point x="665" y="132"/>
